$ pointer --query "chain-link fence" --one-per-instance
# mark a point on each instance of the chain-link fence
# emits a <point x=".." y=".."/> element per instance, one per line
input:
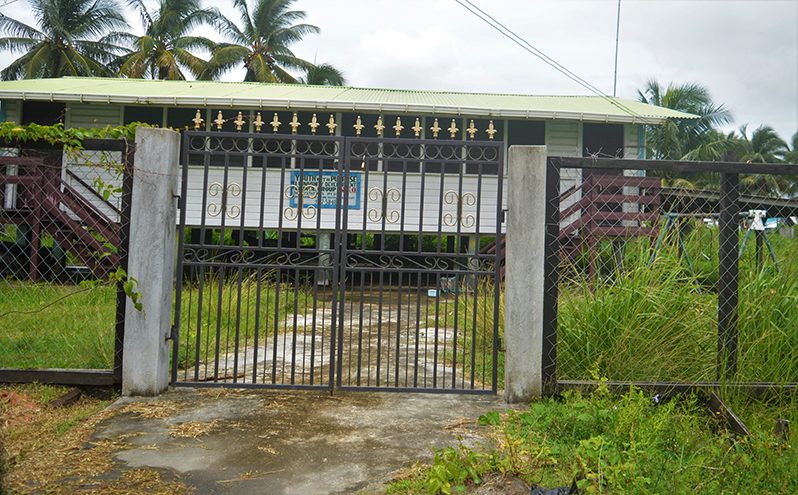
<point x="678" y="273"/>
<point x="63" y="238"/>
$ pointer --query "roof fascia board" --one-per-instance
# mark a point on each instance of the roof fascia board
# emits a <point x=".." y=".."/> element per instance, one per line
<point x="225" y="102"/>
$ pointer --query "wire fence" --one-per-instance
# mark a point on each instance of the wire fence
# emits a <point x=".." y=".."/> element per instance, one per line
<point x="670" y="275"/>
<point x="63" y="241"/>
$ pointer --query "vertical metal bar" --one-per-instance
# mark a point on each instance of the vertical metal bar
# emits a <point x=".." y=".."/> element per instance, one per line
<point x="124" y="241"/>
<point x="126" y="197"/>
<point x="551" y="277"/>
<point x="728" y="260"/>
<point x="339" y="260"/>
<point x="243" y="213"/>
<point x="497" y="267"/>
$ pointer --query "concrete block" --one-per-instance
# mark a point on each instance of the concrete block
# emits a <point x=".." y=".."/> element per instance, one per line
<point x="145" y="366"/>
<point x="524" y="256"/>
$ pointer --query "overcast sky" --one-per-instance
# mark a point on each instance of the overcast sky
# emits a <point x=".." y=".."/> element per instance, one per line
<point x="744" y="52"/>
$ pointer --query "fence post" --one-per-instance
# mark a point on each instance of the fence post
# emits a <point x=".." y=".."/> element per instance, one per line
<point x="145" y="367"/>
<point x="728" y="261"/>
<point x="525" y="273"/>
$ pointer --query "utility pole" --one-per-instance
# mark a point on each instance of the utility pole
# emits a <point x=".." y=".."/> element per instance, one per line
<point x="617" y="37"/>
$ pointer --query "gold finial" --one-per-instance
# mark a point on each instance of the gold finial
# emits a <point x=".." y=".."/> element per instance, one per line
<point x="198" y="120"/>
<point x="258" y="122"/>
<point x="294" y="123"/>
<point x="275" y="122"/>
<point x="472" y="130"/>
<point x="314" y="123"/>
<point x="331" y="125"/>
<point x="491" y="130"/>
<point x="453" y="129"/>
<point x="379" y="127"/>
<point x="358" y="126"/>
<point x="417" y="128"/>
<point x="239" y="121"/>
<point x="398" y="127"/>
<point x="219" y="121"/>
<point x="435" y="129"/>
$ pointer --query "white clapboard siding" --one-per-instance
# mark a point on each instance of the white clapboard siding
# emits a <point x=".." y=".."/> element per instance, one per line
<point x="89" y="168"/>
<point x="88" y="116"/>
<point x="244" y="210"/>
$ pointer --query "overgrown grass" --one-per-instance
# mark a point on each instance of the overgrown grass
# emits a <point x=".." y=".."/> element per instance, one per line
<point x="614" y="444"/>
<point x="48" y="325"/>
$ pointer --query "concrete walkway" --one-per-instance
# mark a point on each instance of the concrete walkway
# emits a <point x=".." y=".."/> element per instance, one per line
<point x="303" y="442"/>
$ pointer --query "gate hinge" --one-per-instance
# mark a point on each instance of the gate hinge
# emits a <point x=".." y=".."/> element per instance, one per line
<point x="172" y="333"/>
<point x="177" y="197"/>
<point x="504" y="215"/>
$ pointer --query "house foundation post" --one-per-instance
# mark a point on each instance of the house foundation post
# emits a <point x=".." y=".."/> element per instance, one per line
<point x="524" y="283"/>
<point x="151" y="254"/>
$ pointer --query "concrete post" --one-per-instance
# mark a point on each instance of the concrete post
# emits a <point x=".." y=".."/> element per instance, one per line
<point x="525" y="252"/>
<point x="145" y="366"/>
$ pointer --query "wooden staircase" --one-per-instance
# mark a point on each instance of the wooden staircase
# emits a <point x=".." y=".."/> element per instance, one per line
<point x="39" y="197"/>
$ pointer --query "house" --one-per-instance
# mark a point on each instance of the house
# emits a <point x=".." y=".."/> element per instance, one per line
<point x="567" y="125"/>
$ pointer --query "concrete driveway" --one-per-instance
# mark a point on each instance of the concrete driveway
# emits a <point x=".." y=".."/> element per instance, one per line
<point x="297" y="442"/>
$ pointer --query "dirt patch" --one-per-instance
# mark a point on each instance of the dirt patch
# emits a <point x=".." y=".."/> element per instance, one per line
<point x="496" y="484"/>
<point x="50" y="450"/>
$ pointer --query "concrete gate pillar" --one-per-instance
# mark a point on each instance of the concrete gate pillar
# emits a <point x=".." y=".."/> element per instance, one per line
<point x="524" y="275"/>
<point x="153" y="218"/>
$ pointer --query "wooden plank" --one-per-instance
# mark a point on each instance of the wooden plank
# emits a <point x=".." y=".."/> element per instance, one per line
<point x="68" y="398"/>
<point x="57" y="376"/>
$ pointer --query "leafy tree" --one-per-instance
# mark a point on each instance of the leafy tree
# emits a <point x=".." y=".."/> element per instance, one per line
<point x="165" y="49"/>
<point x="262" y="43"/>
<point x="675" y="139"/>
<point x="764" y="145"/>
<point x="74" y="38"/>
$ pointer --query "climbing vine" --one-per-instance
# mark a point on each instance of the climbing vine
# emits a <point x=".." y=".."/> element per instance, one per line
<point x="20" y="136"/>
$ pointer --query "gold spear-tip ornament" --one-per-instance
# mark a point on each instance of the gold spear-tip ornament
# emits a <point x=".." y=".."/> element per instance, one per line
<point x="436" y="129"/>
<point x="198" y="120"/>
<point x="379" y="127"/>
<point x="258" y="122"/>
<point x="398" y="127"/>
<point x="491" y="130"/>
<point x="239" y="121"/>
<point x="219" y="121"/>
<point x="453" y="129"/>
<point x="417" y="128"/>
<point x="331" y="125"/>
<point x="358" y="126"/>
<point x="314" y="123"/>
<point x="294" y="123"/>
<point x="472" y="130"/>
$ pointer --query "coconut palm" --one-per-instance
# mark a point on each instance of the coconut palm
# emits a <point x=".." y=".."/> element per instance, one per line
<point x="74" y="38"/>
<point x="165" y="49"/>
<point x="791" y="156"/>
<point x="763" y="146"/>
<point x="323" y="75"/>
<point x="675" y="139"/>
<point x="262" y="43"/>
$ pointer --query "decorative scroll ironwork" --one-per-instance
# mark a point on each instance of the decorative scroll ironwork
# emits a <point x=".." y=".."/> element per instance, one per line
<point x="466" y="199"/>
<point x="222" y="208"/>
<point x="300" y="194"/>
<point x="392" y="195"/>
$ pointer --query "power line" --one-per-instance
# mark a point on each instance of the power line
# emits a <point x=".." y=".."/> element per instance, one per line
<point x="525" y="45"/>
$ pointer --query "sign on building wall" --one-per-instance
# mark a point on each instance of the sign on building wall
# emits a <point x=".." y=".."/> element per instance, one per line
<point x="325" y="184"/>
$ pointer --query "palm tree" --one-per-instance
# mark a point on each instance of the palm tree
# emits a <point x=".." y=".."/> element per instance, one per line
<point x="764" y="145"/>
<point x="75" y="38"/>
<point x="323" y="75"/>
<point x="263" y="42"/>
<point x="675" y="139"/>
<point x="165" y="49"/>
<point x="791" y="156"/>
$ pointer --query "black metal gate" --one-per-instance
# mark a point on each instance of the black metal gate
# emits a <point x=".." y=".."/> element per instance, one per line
<point x="328" y="262"/>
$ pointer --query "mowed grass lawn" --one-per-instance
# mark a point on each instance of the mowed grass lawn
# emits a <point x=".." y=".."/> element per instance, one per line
<point x="47" y="325"/>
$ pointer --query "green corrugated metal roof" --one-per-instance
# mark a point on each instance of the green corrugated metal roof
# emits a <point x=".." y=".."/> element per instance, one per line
<point x="305" y="97"/>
